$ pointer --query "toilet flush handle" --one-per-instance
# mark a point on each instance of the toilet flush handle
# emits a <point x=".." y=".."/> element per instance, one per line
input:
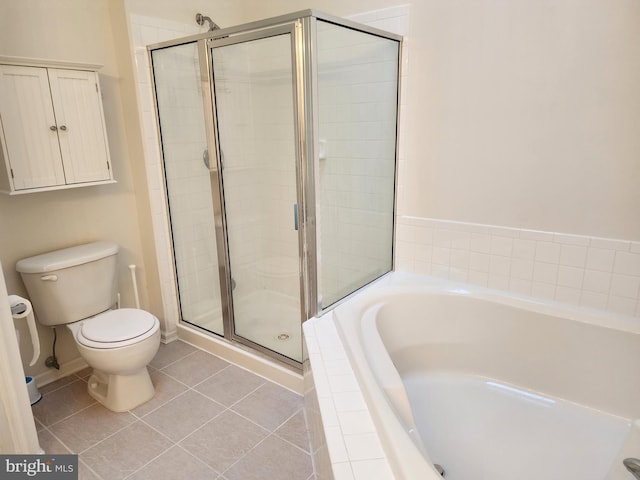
<point x="49" y="278"/>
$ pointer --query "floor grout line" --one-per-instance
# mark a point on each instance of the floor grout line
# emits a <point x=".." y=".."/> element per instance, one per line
<point x="140" y="419"/>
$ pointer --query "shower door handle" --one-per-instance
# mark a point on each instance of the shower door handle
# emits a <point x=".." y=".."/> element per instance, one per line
<point x="295" y="216"/>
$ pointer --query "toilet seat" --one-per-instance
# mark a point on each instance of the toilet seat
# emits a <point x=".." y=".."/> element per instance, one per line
<point x="117" y="328"/>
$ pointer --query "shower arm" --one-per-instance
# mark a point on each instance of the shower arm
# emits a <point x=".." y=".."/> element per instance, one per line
<point x="200" y="19"/>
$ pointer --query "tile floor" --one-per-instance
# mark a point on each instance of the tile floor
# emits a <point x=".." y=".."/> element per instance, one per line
<point x="208" y="420"/>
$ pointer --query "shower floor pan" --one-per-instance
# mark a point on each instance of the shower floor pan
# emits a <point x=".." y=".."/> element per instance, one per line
<point x="266" y="318"/>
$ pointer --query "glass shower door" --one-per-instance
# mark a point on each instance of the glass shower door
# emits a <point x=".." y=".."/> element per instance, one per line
<point x="253" y="84"/>
<point x="178" y="89"/>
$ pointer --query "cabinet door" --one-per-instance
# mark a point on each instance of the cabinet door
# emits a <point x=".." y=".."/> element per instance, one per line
<point x="78" y="109"/>
<point x="29" y="128"/>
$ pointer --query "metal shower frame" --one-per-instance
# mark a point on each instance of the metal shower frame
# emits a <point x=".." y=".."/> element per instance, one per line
<point x="301" y="26"/>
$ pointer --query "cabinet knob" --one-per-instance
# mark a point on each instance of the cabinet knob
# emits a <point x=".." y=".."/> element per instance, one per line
<point x="63" y="128"/>
<point x="53" y="128"/>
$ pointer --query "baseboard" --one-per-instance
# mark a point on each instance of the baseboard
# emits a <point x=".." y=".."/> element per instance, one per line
<point x="66" y="369"/>
<point x="168" y="337"/>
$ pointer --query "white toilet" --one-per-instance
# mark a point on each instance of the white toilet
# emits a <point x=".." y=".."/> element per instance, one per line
<point x="77" y="287"/>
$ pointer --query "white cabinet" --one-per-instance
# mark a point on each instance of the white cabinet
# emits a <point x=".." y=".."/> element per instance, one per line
<point x="52" y="130"/>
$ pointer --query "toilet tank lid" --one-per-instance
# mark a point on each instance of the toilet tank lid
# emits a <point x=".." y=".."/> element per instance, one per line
<point x="67" y="257"/>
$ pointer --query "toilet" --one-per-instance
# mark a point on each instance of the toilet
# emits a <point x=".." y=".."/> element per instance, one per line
<point x="77" y="287"/>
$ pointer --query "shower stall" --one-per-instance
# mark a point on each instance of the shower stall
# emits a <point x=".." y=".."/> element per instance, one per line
<point x="279" y="146"/>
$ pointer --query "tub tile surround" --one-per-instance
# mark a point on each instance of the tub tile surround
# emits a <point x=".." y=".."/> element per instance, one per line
<point x="343" y="437"/>
<point x="200" y="424"/>
<point x="591" y="272"/>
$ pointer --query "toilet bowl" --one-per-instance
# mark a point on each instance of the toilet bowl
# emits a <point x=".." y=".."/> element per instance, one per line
<point x="77" y="287"/>
<point x="118" y="344"/>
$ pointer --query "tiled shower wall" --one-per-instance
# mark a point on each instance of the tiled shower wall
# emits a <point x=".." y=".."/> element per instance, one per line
<point x="592" y="272"/>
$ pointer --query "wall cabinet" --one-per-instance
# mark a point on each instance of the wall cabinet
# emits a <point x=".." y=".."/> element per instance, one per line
<point x="52" y="129"/>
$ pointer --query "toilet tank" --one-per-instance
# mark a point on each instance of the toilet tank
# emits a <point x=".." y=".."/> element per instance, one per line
<point x="71" y="284"/>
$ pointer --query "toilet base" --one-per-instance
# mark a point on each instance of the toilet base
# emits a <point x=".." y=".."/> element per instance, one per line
<point x="120" y="393"/>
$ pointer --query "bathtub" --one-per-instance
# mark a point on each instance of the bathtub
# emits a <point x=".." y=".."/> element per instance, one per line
<point x="493" y="386"/>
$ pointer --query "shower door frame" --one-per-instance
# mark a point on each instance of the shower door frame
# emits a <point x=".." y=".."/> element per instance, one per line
<point x="303" y="26"/>
<point x="304" y="175"/>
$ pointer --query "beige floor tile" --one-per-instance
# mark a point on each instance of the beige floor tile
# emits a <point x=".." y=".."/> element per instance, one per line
<point x="224" y="440"/>
<point x="166" y="389"/>
<point x="39" y="425"/>
<point x="125" y="452"/>
<point x="62" y="403"/>
<point x="171" y="352"/>
<point x="230" y="385"/>
<point x="195" y="368"/>
<point x="85" y="473"/>
<point x="50" y="444"/>
<point x="115" y="446"/>
<point x="59" y="383"/>
<point x="294" y="430"/>
<point x="269" y="406"/>
<point x="174" y="464"/>
<point x="183" y="415"/>
<point x="274" y="459"/>
<point x="90" y="426"/>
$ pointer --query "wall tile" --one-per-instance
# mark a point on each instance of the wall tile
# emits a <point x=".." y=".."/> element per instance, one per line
<point x="580" y="270"/>
<point x="625" y="285"/>
<point x="600" y="259"/>
<point x="545" y="273"/>
<point x="627" y="263"/>
<point x="372" y="470"/>
<point x="596" y="281"/>
<point x="524" y="249"/>
<point x="479" y="262"/>
<point x="499" y="265"/>
<point x="570" y="277"/>
<point x="480" y="243"/>
<point x="573" y="256"/>
<point x="363" y="446"/>
<point x="502" y="246"/>
<point x="548" y="252"/>
<point x="342" y="471"/>
<point x="522" y="269"/>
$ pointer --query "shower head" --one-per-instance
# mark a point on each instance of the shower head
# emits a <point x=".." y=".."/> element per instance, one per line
<point x="200" y="19"/>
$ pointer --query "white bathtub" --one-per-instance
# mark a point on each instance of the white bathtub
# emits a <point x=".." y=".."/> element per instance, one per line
<point x="492" y="386"/>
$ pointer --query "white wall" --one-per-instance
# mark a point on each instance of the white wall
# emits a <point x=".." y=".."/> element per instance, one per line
<point x="525" y="114"/>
